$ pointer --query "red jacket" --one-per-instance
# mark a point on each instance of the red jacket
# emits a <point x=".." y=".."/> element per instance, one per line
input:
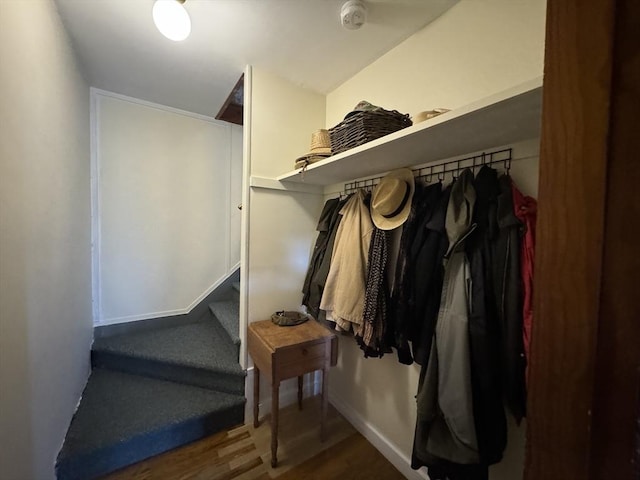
<point x="526" y="211"/>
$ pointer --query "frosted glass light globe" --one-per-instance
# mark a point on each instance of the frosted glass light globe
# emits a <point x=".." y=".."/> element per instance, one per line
<point x="172" y="19"/>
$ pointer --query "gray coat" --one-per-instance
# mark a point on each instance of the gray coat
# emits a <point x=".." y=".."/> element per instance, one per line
<point x="445" y="401"/>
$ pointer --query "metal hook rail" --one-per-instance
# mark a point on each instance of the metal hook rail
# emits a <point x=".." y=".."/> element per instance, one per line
<point x="441" y="170"/>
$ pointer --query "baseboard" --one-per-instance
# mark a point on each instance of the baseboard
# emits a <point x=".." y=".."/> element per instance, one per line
<point x="382" y="444"/>
<point x="288" y="392"/>
<point x="194" y="314"/>
<point x="312" y="386"/>
<point x="110" y="330"/>
<point x="195" y="309"/>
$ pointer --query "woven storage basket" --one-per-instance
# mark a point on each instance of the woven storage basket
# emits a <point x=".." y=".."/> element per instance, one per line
<point x="362" y="127"/>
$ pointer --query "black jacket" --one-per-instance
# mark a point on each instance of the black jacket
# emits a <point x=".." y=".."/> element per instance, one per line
<point x="508" y="293"/>
<point x="402" y="314"/>
<point x="484" y="324"/>
<point x="428" y="250"/>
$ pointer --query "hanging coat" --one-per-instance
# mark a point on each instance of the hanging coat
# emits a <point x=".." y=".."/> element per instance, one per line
<point x="484" y="324"/>
<point x="343" y="296"/>
<point x="403" y="317"/>
<point x="508" y="291"/>
<point x="526" y="210"/>
<point x="320" y="277"/>
<point x="427" y="255"/>
<point x="445" y="403"/>
<point x="312" y="290"/>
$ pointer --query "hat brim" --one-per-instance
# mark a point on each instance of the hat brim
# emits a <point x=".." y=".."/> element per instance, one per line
<point x="386" y="223"/>
<point x="319" y="153"/>
<point x="309" y="159"/>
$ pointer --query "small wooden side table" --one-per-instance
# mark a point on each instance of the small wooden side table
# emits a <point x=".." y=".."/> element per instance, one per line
<point x="288" y="352"/>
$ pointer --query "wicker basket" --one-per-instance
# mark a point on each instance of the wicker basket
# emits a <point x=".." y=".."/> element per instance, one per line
<point x="362" y="127"/>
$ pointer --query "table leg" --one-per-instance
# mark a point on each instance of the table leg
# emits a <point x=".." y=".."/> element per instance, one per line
<point x="300" y="383"/>
<point x="325" y="391"/>
<point x="256" y="395"/>
<point x="275" y="397"/>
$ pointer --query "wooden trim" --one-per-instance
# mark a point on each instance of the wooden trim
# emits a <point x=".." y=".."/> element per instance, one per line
<point x="584" y="375"/>
<point x="615" y="403"/>
<point x="231" y="111"/>
<point x="573" y="163"/>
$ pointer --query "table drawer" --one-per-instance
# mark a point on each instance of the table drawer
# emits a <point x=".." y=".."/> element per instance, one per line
<point x="295" y="369"/>
<point x="300" y="353"/>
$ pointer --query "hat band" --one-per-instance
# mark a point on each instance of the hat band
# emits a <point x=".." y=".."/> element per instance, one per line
<point x="402" y="204"/>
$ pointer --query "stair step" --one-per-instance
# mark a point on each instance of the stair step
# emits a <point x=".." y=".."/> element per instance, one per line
<point x="236" y="286"/>
<point x="194" y="354"/>
<point x="124" y="418"/>
<point x="228" y="314"/>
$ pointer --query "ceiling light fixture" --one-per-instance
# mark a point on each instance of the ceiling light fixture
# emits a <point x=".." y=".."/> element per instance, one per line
<point x="172" y="19"/>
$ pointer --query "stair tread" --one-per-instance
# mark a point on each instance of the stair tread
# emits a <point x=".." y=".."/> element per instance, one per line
<point x="197" y="345"/>
<point x="123" y="419"/>
<point x="228" y="314"/>
<point x="116" y="407"/>
<point x="236" y="286"/>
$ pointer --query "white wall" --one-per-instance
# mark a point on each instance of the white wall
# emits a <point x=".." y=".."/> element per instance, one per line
<point x="45" y="269"/>
<point x="476" y="49"/>
<point x="165" y="198"/>
<point x="281" y="225"/>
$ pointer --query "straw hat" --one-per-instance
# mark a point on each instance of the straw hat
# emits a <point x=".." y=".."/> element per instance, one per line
<point x="429" y="114"/>
<point x="320" y="148"/>
<point x="391" y="199"/>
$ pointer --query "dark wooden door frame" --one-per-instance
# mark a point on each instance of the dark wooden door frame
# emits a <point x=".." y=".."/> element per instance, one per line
<point x="583" y="384"/>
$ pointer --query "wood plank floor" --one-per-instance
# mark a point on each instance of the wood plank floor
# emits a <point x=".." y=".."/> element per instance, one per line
<point x="244" y="453"/>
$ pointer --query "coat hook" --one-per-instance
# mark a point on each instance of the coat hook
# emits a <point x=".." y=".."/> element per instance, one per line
<point x="507" y="164"/>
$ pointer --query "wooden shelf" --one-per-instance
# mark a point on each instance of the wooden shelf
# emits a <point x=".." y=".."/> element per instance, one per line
<point x="502" y="119"/>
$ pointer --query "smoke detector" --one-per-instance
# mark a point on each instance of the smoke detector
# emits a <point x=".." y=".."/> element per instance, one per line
<point x="353" y="14"/>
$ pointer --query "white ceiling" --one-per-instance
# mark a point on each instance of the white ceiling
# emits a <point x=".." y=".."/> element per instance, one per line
<point x="300" y="40"/>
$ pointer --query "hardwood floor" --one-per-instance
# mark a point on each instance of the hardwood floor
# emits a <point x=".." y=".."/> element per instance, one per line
<point x="354" y="458"/>
<point x="244" y="453"/>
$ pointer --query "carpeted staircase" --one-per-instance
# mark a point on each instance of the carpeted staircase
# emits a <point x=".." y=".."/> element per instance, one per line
<point x="154" y="390"/>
